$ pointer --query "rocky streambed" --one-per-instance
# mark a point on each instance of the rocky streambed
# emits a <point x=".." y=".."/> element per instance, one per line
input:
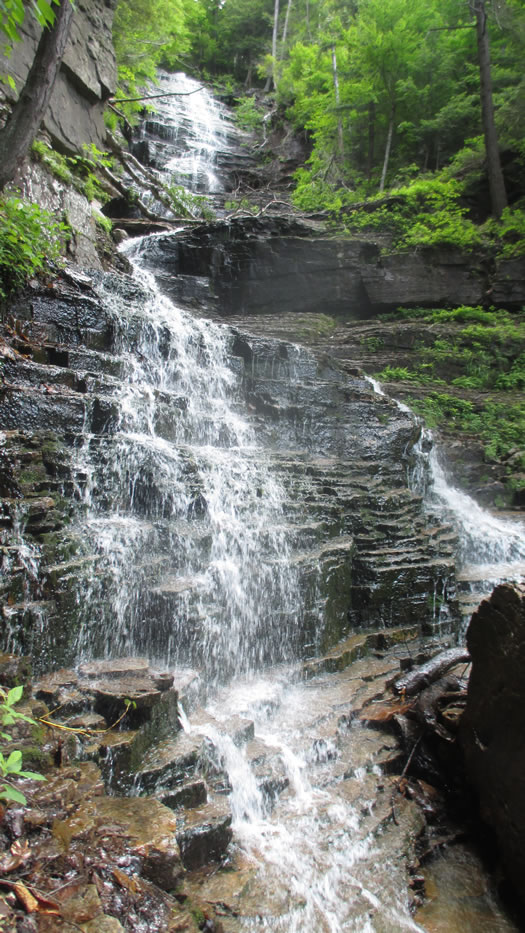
<point x="311" y="796"/>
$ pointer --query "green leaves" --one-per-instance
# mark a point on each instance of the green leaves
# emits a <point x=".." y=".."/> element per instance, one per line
<point x="11" y="767"/>
<point x="12" y="15"/>
<point x="30" y="238"/>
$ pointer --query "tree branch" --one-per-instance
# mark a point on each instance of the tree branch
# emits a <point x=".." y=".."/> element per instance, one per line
<point x="131" y="100"/>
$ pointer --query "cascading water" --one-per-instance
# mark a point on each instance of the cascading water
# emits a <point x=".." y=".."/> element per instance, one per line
<point x="184" y="512"/>
<point x="491" y="550"/>
<point x="190" y="136"/>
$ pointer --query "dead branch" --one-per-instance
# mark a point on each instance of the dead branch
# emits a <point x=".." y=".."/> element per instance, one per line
<point x="132" y="100"/>
<point x="423" y="676"/>
<point x="397" y="785"/>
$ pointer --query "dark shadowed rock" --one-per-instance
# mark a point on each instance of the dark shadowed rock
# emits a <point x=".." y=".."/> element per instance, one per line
<point x="493" y="726"/>
<point x="274" y="265"/>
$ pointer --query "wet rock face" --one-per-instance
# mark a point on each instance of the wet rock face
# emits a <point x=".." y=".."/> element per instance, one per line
<point x="493" y="725"/>
<point x="86" y="79"/>
<point x="253" y="266"/>
<point x="365" y="551"/>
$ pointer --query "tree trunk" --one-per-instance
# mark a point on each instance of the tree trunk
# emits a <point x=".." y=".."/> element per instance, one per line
<point x="24" y="122"/>
<point x="387" y="148"/>
<point x="308" y="20"/>
<point x="371" y="138"/>
<point x="421" y="677"/>
<point x="285" y="28"/>
<point x="271" y="77"/>
<point x="498" y="195"/>
<point x="337" y="102"/>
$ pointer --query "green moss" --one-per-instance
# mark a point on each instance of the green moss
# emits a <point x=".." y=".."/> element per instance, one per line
<point x="78" y="171"/>
<point x="314" y="325"/>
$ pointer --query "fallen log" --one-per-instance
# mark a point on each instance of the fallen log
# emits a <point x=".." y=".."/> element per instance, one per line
<point x="432" y="670"/>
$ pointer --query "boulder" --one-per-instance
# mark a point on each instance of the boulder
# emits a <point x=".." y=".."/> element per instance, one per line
<point x="492" y="731"/>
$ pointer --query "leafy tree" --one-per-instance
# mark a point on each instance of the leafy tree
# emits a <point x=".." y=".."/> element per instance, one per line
<point x="147" y="33"/>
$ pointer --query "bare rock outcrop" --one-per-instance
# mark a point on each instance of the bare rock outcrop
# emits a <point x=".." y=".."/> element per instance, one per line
<point x="86" y="79"/>
<point x="493" y="726"/>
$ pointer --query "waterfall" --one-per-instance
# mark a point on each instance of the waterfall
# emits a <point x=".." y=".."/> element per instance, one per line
<point x="190" y="135"/>
<point x="183" y="508"/>
<point x="495" y="546"/>
<point x="195" y="549"/>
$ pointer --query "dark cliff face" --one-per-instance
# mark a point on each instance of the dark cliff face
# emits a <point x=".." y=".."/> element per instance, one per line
<point x="493" y="726"/>
<point x="86" y="79"/>
<point x="254" y="266"/>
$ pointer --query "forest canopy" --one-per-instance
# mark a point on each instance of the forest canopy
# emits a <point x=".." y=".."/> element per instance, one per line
<point x="384" y="89"/>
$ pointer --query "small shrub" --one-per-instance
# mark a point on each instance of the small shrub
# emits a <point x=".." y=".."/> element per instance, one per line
<point x="11" y="767"/>
<point x="508" y="232"/>
<point x="30" y="239"/>
<point x="247" y="114"/>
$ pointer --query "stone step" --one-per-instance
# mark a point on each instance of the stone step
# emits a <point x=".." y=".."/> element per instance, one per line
<point x="188" y="795"/>
<point x="170" y="764"/>
<point x="358" y="646"/>
<point x="203" y="833"/>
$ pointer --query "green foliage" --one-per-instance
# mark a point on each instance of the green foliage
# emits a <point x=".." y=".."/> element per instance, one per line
<point x="461" y="314"/>
<point x="372" y="344"/>
<point x="146" y="34"/>
<point x="11" y="767"/>
<point x="424" y="213"/>
<point x="481" y="351"/>
<point x="186" y="204"/>
<point x="12" y="15"/>
<point x="508" y="232"/>
<point x="244" y="205"/>
<point x="102" y="221"/>
<point x="484" y="355"/>
<point x="421" y="375"/>
<point x="79" y="171"/>
<point x="30" y="238"/>
<point x="247" y="114"/>
<point x="500" y="426"/>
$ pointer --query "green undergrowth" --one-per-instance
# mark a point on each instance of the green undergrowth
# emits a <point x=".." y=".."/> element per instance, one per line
<point x="80" y="171"/>
<point x="499" y="424"/>
<point x="431" y="211"/>
<point x="480" y="357"/>
<point x="30" y="240"/>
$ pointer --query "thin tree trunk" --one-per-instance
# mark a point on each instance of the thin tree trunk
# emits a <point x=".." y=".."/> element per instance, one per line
<point x="498" y="195"/>
<point x="24" y="121"/>
<point x="371" y="138"/>
<point x="271" y="77"/>
<point x="337" y="102"/>
<point x="308" y="20"/>
<point x="285" y="28"/>
<point x="387" y="148"/>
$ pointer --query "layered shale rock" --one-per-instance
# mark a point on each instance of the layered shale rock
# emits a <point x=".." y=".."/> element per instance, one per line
<point x="363" y="548"/>
<point x="275" y="265"/>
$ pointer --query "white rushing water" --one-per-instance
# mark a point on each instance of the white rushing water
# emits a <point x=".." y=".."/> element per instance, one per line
<point x="195" y="129"/>
<point x="185" y="512"/>
<point x="490" y="549"/>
